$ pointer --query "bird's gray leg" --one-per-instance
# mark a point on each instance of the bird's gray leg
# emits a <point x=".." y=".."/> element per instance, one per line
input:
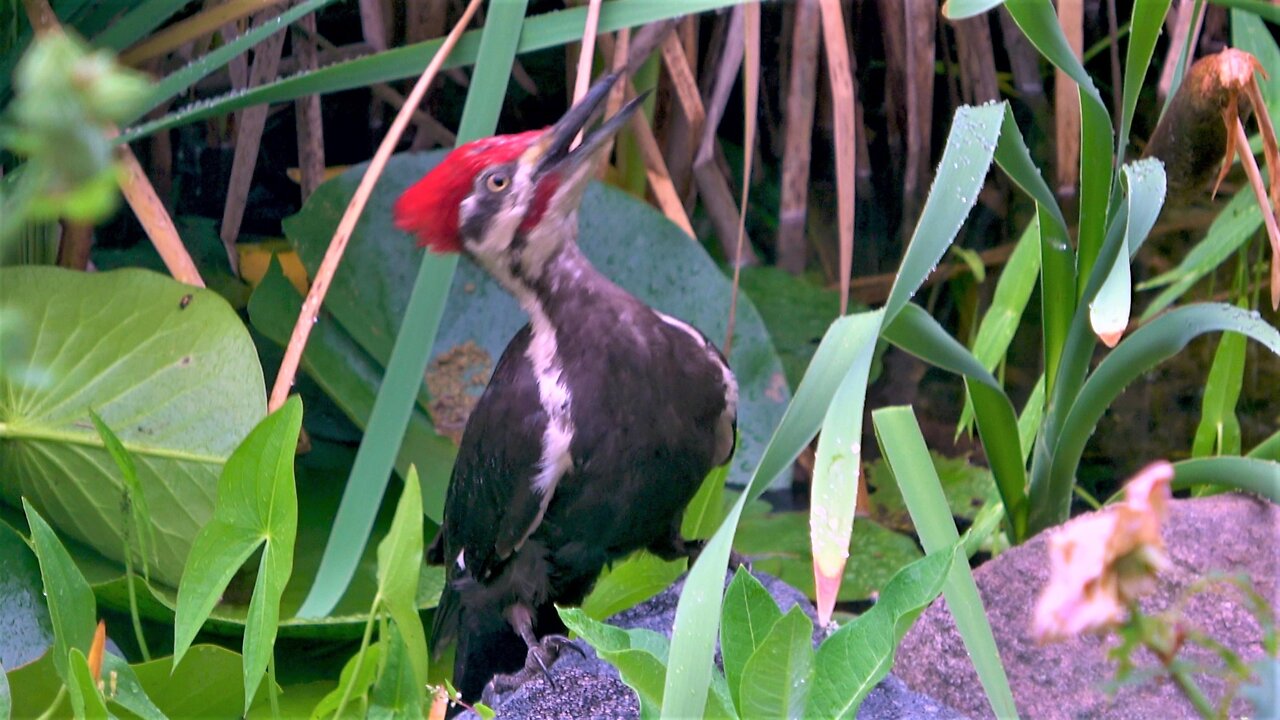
<point x="543" y="653"/>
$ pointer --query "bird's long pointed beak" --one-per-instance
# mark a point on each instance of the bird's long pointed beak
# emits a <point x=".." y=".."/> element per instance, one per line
<point x="553" y="151"/>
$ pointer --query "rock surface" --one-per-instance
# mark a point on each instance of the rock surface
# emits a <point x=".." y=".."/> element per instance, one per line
<point x="587" y="687"/>
<point x="1225" y="534"/>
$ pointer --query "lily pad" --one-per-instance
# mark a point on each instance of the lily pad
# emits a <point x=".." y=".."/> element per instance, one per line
<point x="170" y="368"/>
<point x="627" y="239"/>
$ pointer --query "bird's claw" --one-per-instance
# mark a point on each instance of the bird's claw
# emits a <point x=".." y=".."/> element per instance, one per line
<point x="538" y="661"/>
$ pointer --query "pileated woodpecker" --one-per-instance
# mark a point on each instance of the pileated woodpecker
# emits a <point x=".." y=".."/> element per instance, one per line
<point x="599" y="423"/>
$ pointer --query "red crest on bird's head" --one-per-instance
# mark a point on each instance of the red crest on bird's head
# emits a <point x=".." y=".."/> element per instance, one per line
<point x="429" y="208"/>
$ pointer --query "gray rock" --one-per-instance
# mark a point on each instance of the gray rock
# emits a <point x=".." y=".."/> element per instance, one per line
<point x="1067" y="680"/>
<point x="588" y="687"/>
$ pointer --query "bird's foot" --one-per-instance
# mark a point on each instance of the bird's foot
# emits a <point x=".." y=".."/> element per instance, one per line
<point x="542" y="655"/>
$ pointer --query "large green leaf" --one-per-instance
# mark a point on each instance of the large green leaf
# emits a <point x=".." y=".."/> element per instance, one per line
<point x="206" y="684"/>
<point x="167" y="366"/>
<point x="749" y="614"/>
<point x="316" y="506"/>
<point x="775" y="681"/>
<point x="628" y="240"/>
<point x="629" y="583"/>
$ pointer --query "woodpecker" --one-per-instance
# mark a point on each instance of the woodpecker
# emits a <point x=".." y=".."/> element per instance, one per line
<point x="601" y="418"/>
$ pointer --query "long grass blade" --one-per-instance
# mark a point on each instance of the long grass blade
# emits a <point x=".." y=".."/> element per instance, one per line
<point x="915" y="331"/>
<point x="1144" y="29"/>
<point x="1218" y="432"/>
<point x="338" y="245"/>
<point x="391" y="410"/>
<point x="908" y="456"/>
<point x="186" y="77"/>
<point x="1262" y="8"/>
<point x="189" y="29"/>
<point x="1000" y="323"/>
<point x="1057" y="262"/>
<point x="1039" y="23"/>
<point x="1254" y="475"/>
<point x="971" y="144"/>
<point x="837" y="472"/>
<point x="540" y="32"/>
<point x="147" y="16"/>
<point x="694" y="635"/>
<point x="1148" y="346"/>
<point x="1231" y="229"/>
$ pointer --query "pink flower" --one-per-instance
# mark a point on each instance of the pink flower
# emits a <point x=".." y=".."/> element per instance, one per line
<point x="1101" y="562"/>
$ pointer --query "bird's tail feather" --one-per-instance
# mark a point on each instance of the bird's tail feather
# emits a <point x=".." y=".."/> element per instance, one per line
<point x="483" y="654"/>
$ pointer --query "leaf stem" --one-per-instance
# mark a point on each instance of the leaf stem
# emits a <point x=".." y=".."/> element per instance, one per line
<point x="1189" y="688"/>
<point x="133" y="609"/>
<point x="271" y="685"/>
<point x="364" y="645"/>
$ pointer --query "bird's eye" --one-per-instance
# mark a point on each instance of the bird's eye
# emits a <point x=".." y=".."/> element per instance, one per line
<point x="497" y="182"/>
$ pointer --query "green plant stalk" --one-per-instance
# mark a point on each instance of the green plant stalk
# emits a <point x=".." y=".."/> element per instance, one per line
<point x="391" y="410"/>
<point x="133" y="609"/>
<point x="1048" y="508"/>
<point x="364" y="645"/>
<point x="1182" y="679"/>
<point x="272" y="693"/>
